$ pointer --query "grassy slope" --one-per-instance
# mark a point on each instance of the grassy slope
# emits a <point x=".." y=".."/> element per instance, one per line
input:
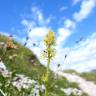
<point x="27" y="64"/>
<point x="90" y="76"/>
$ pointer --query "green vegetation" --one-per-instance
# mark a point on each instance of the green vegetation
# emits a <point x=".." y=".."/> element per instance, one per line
<point x="21" y="60"/>
<point x="24" y="62"/>
<point x="71" y="71"/>
<point x="90" y="76"/>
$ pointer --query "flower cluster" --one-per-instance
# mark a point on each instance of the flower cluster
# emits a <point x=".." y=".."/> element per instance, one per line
<point x="74" y="91"/>
<point x="21" y="82"/>
<point x="50" y="39"/>
<point x="49" y="42"/>
<point x="3" y="71"/>
<point x="10" y="44"/>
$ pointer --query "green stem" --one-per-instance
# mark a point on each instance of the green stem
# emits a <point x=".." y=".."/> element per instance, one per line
<point x="47" y="74"/>
<point x="2" y="92"/>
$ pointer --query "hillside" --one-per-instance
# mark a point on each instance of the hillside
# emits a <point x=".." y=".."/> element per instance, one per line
<point x="24" y="62"/>
<point x="90" y="76"/>
<point x="21" y="61"/>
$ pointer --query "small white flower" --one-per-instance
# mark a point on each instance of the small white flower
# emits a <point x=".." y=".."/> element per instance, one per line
<point x="74" y="91"/>
<point x="2" y="66"/>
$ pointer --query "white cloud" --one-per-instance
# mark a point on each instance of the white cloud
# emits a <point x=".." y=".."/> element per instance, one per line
<point x="63" y="8"/>
<point x="40" y="18"/>
<point x="36" y="35"/>
<point x="69" y="24"/>
<point x="35" y="18"/>
<point x="25" y="22"/>
<point x="28" y="24"/>
<point x="49" y="19"/>
<point x="81" y="57"/>
<point x="63" y="34"/>
<point x="38" y="32"/>
<point x="74" y="2"/>
<point x="37" y="12"/>
<point x="85" y="9"/>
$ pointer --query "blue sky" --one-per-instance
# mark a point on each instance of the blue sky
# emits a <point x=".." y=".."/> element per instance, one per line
<point x="69" y="19"/>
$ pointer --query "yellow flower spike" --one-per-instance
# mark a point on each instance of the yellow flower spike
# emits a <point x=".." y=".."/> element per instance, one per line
<point x="48" y="54"/>
<point x="49" y="39"/>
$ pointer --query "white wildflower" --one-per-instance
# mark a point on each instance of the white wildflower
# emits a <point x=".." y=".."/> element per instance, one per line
<point x="74" y="91"/>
